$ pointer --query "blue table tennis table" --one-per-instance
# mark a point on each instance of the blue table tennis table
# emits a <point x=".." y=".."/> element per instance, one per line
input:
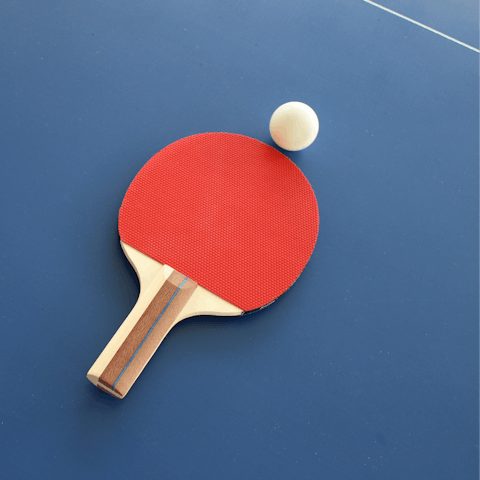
<point x="367" y="368"/>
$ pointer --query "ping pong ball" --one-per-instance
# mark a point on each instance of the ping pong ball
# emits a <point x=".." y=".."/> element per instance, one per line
<point x="294" y="126"/>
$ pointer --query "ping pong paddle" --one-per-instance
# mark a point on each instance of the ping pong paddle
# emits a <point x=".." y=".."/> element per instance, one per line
<point x="213" y="224"/>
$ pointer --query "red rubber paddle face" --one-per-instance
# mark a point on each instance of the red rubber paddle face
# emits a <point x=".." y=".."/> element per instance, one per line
<point x="232" y="213"/>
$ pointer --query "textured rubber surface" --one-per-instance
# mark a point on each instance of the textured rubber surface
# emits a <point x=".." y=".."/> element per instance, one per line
<point x="232" y="213"/>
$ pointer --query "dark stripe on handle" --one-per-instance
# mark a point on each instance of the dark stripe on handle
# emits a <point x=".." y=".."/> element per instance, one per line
<point x="148" y="333"/>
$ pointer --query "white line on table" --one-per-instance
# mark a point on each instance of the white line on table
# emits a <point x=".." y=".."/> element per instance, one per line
<point x="422" y="25"/>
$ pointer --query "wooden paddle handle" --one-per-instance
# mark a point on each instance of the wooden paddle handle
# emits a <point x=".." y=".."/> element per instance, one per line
<point x="155" y="313"/>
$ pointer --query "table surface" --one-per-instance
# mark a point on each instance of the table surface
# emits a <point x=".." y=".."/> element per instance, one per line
<point x="368" y="366"/>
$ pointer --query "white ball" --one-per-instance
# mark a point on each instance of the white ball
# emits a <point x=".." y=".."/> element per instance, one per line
<point x="294" y="126"/>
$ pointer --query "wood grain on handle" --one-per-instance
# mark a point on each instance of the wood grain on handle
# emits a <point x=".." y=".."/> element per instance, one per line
<point x="166" y="297"/>
<point x="135" y="342"/>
